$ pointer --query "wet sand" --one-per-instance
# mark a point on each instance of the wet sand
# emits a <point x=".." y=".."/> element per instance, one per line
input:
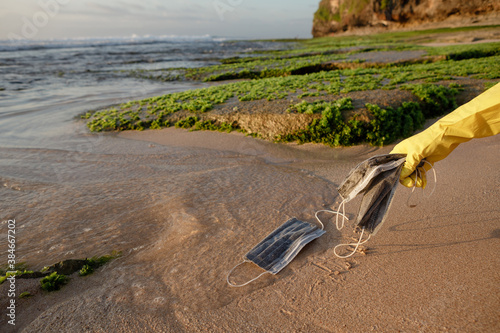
<point x="185" y="207"/>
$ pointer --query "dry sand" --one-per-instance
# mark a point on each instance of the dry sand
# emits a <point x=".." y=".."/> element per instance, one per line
<point x="433" y="268"/>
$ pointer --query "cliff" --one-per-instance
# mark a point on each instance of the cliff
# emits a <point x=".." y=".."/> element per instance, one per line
<point x="336" y="16"/>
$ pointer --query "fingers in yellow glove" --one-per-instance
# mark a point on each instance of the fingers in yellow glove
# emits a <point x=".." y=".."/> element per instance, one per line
<point x="415" y="179"/>
<point x="408" y="176"/>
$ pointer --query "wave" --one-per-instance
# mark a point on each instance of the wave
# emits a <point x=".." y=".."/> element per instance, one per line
<point x="27" y="44"/>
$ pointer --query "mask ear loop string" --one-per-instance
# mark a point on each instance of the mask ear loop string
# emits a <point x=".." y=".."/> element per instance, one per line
<point x="435" y="178"/>
<point x="418" y="175"/>
<point x="244" y="284"/>
<point x="358" y="243"/>
<point x="340" y="226"/>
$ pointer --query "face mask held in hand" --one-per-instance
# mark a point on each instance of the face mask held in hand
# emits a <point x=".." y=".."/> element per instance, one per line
<point x="376" y="179"/>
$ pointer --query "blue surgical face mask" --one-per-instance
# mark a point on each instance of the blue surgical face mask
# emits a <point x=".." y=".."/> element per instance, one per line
<point x="279" y="248"/>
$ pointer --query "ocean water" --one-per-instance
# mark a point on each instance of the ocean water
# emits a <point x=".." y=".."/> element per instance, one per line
<point x="44" y="84"/>
<point x="76" y="193"/>
<point x="182" y="209"/>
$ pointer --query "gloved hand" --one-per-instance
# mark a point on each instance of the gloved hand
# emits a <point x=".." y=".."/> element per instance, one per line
<point x="476" y="119"/>
<point x="408" y="176"/>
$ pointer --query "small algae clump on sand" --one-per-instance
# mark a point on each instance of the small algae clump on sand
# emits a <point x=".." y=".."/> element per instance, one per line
<point x="96" y="262"/>
<point x="55" y="276"/>
<point x="25" y="294"/>
<point x="18" y="270"/>
<point x="53" y="282"/>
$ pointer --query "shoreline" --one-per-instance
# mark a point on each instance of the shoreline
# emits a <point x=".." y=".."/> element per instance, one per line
<point x="184" y="207"/>
<point x="430" y="268"/>
<point x="282" y="95"/>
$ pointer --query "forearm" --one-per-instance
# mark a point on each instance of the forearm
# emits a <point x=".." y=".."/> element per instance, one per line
<point x="476" y="119"/>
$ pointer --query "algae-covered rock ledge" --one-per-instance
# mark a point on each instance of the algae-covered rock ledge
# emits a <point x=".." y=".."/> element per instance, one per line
<point x="335" y="91"/>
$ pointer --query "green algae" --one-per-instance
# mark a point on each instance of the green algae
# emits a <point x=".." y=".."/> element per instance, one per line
<point x="53" y="282"/>
<point x="25" y="294"/>
<point x="316" y="69"/>
<point x="91" y="264"/>
<point x="55" y="276"/>
<point x="386" y="125"/>
<point x="153" y="112"/>
<point x="195" y="124"/>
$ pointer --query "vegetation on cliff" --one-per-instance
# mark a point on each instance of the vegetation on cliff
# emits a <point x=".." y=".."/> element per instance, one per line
<point x="336" y="16"/>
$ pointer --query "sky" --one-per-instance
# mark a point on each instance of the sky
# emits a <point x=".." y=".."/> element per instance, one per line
<point x="55" y="19"/>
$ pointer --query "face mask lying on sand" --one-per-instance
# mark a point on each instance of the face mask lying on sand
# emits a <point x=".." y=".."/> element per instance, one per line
<point x="279" y="248"/>
<point x="375" y="178"/>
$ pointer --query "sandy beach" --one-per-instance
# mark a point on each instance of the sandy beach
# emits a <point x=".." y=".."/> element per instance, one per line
<point x="184" y="207"/>
<point x="433" y="268"/>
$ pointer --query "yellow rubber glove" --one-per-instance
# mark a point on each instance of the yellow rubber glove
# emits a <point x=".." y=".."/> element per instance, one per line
<point x="478" y="118"/>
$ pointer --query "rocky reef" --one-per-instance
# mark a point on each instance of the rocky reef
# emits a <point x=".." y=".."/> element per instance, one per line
<point x="337" y="16"/>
